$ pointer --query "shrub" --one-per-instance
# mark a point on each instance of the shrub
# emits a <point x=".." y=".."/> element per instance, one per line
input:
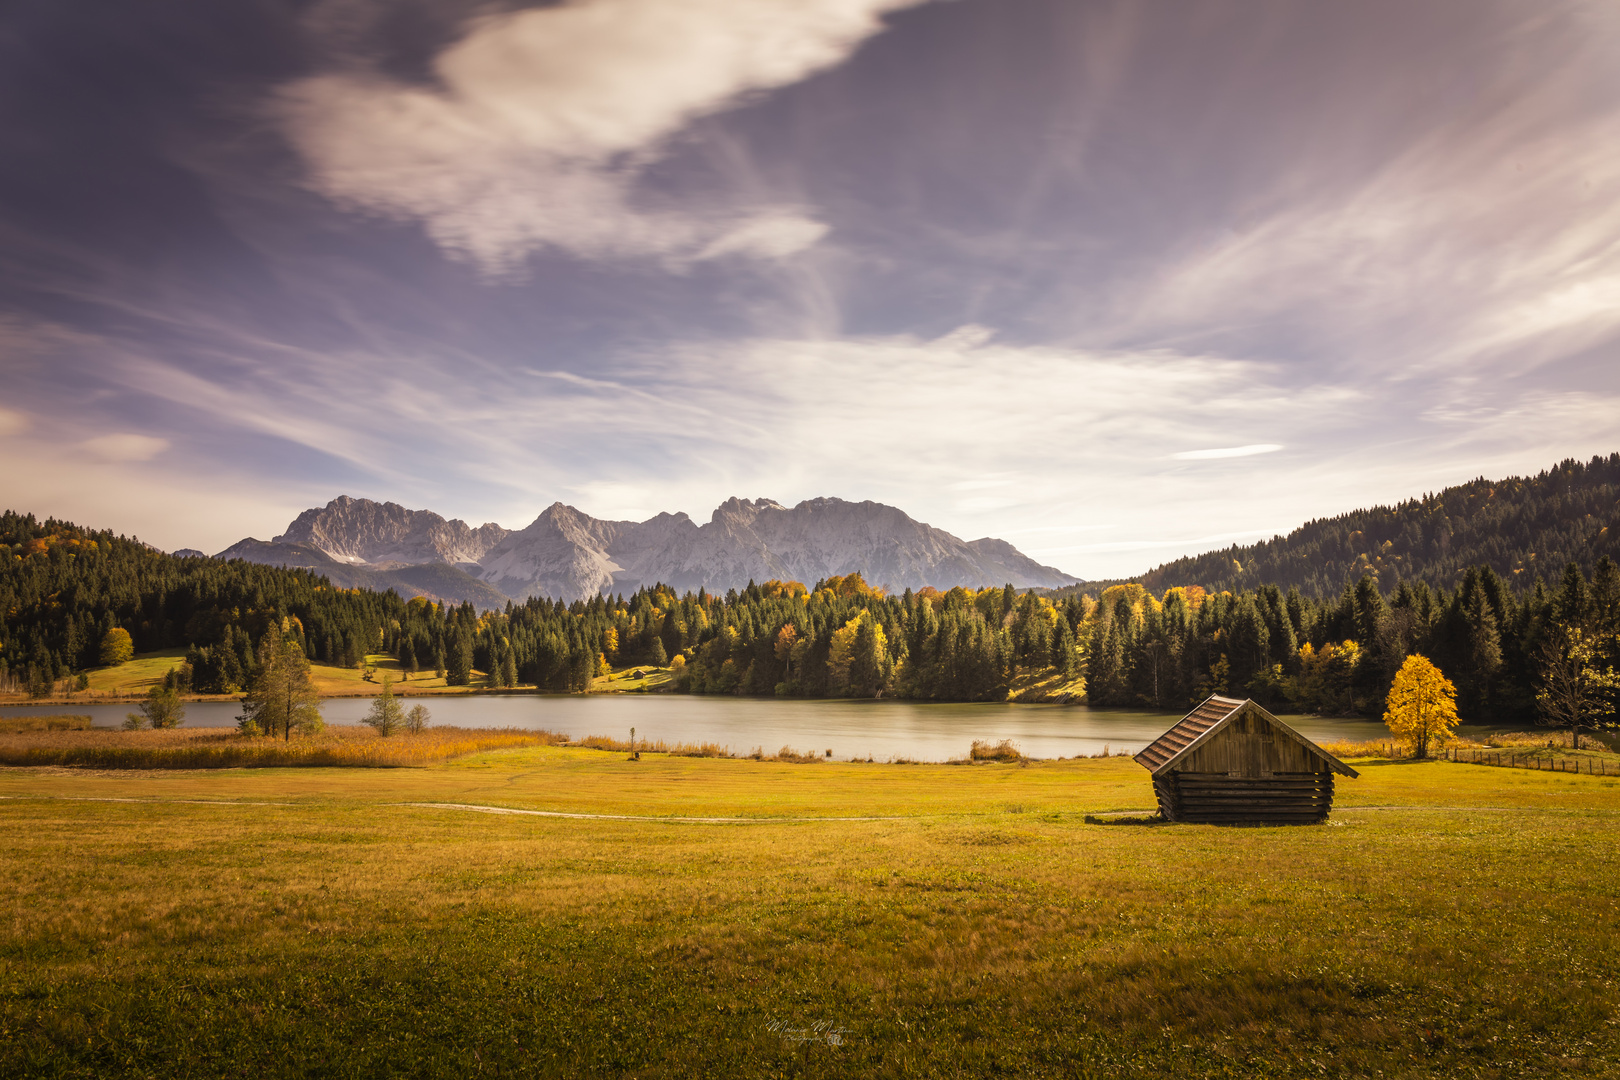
<point x="161" y="709"/>
<point x="1001" y="751"/>
<point x="386" y="715"/>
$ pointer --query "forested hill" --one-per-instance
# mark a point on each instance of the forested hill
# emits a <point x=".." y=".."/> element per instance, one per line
<point x="1522" y="527"/>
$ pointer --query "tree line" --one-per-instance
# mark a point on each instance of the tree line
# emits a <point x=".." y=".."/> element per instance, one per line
<point x="67" y="594"/>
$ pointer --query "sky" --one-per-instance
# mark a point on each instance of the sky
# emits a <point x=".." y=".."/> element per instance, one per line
<point x="1113" y="281"/>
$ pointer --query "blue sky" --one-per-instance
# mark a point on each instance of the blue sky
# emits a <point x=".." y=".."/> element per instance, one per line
<point x="1113" y="281"/>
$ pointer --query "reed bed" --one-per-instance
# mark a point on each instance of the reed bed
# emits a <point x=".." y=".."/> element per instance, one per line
<point x="652" y="746"/>
<point x="72" y="741"/>
<point x="14" y="724"/>
<point x="216" y="748"/>
<point x="1005" y="750"/>
<point x="1365" y="748"/>
<point x="787" y="754"/>
<point x="1549" y="739"/>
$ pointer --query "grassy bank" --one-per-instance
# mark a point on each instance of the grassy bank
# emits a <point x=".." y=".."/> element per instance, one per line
<point x="224" y="748"/>
<point x="131" y="680"/>
<point x="1451" y="921"/>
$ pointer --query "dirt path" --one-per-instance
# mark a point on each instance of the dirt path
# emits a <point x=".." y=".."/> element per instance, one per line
<point x="638" y="817"/>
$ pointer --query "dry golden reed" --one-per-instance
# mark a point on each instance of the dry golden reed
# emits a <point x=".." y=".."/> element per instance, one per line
<point x="10" y="724"/>
<point x="1366" y="748"/>
<point x="78" y="744"/>
<point x="1005" y="750"/>
<point x="217" y="748"/>
<point x="653" y="746"/>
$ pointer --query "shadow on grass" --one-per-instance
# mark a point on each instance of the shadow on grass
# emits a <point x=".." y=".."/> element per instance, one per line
<point x="1125" y="819"/>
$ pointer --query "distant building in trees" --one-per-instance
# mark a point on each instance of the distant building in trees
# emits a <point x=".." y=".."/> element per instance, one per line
<point x="1230" y="762"/>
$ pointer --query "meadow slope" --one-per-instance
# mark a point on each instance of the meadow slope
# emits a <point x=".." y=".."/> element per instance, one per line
<point x="1450" y="920"/>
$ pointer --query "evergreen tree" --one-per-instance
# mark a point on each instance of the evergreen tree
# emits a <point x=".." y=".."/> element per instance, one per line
<point x="281" y="696"/>
<point x="387" y="715"/>
<point x="460" y="669"/>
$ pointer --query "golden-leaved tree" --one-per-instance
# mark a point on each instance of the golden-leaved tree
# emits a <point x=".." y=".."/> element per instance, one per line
<point x="1577" y="685"/>
<point x="116" y="647"/>
<point x="858" y="662"/>
<point x="1422" y="707"/>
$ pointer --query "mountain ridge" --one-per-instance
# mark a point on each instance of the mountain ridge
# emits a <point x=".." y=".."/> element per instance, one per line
<point x="567" y="553"/>
<point x="1522" y="527"/>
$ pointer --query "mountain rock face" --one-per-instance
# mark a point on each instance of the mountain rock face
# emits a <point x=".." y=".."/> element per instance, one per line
<point x="569" y="554"/>
<point x="386" y="534"/>
<point x="437" y="581"/>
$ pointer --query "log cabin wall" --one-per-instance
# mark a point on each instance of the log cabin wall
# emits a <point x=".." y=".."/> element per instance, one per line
<point x="1219" y="799"/>
<point x="1248" y="771"/>
<point x="1229" y="762"/>
<point x="1249" y="747"/>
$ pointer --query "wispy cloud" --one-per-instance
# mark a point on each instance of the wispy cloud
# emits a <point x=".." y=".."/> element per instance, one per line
<point x="542" y="123"/>
<point x="125" y="447"/>
<point x="1227" y="452"/>
<point x="717" y="247"/>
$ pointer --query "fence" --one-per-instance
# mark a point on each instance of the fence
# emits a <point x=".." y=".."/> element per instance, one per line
<point x="1508" y="759"/>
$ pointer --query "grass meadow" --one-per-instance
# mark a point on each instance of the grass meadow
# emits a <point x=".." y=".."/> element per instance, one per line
<point x="829" y="920"/>
<point x="131" y="680"/>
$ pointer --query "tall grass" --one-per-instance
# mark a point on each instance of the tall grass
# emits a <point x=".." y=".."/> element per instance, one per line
<point x="787" y="753"/>
<point x="1550" y="740"/>
<point x="70" y="740"/>
<point x="11" y="724"/>
<point x="1388" y="749"/>
<point x="1004" y="750"/>
<point x="652" y="746"/>
<point x="215" y="748"/>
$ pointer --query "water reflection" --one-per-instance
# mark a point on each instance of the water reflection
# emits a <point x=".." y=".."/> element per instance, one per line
<point x="877" y="729"/>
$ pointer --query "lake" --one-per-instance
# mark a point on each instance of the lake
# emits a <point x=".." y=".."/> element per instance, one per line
<point x="877" y="729"/>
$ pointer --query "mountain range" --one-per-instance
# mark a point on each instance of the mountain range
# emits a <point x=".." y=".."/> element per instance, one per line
<point x="569" y="554"/>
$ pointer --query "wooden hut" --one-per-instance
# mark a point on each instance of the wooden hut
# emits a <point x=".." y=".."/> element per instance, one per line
<point x="1230" y="762"/>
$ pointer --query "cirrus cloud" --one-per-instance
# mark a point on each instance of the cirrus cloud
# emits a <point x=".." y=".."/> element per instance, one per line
<point x="1227" y="452"/>
<point x="542" y="122"/>
<point x="125" y="447"/>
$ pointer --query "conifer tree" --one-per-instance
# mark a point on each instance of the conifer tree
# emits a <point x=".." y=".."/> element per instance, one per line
<point x="387" y="715"/>
<point x="281" y="696"/>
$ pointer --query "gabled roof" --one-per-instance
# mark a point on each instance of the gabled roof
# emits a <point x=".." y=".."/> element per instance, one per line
<point x="1198" y="726"/>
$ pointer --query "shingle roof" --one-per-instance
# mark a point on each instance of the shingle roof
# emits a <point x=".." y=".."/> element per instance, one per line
<point x="1213" y="712"/>
<point x="1166" y="746"/>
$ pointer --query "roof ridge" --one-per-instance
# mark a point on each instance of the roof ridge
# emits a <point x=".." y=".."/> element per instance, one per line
<point x="1193" y="728"/>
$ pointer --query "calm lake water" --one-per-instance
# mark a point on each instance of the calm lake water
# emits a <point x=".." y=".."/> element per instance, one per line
<point x="877" y="729"/>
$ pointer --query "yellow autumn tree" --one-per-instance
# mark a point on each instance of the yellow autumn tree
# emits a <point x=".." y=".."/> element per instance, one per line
<point x="116" y="647"/>
<point x="851" y="665"/>
<point x="1422" y="707"/>
<point x="842" y="651"/>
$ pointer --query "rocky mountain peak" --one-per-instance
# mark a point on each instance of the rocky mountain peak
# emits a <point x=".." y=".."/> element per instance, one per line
<point x="363" y="531"/>
<point x="567" y="553"/>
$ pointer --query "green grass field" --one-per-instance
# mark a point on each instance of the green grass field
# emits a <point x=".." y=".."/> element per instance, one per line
<point x="1451" y="920"/>
<point x="132" y="679"/>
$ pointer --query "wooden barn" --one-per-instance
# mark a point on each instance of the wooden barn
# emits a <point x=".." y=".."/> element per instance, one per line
<point x="1230" y="762"/>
